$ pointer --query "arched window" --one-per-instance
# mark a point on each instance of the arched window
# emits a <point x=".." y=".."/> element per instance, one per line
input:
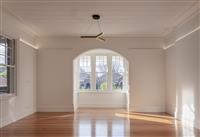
<point x="102" y="70"/>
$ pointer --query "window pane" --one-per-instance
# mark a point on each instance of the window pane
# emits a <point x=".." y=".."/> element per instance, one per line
<point x="118" y="128"/>
<point x="117" y="81"/>
<point x="117" y="64"/>
<point x="85" y="64"/>
<point x="101" y="81"/>
<point x="85" y="72"/>
<point x="117" y="72"/>
<point x="101" y="64"/>
<point x="85" y="82"/>
<point x="3" y="76"/>
<point x="101" y="72"/>
<point x="2" y="49"/>
<point x="2" y="59"/>
<point x="2" y="53"/>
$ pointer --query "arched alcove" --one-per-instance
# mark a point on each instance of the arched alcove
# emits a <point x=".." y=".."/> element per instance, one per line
<point x="101" y="79"/>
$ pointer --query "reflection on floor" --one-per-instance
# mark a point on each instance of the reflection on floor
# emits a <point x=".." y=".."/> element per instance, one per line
<point x="98" y="123"/>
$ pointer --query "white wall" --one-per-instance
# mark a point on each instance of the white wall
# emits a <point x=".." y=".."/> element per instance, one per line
<point x="55" y="71"/>
<point x="15" y="107"/>
<point x="182" y="71"/>
<point x="170" y="58"/>
<point x="55" y="75"/>
<point x="101" y="100"/>
<point x="147" y="80"/>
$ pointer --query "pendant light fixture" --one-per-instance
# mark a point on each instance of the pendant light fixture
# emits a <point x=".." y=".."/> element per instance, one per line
<point x="99" y="36"/>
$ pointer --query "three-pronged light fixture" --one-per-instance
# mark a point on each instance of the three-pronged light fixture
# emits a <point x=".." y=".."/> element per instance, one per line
<point x="98" y="36"/>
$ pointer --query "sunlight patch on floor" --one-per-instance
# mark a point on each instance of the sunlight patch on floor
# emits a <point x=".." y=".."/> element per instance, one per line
<point x="146" y="117"/>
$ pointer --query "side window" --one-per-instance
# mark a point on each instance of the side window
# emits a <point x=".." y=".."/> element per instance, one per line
<point x="7" y="65"/>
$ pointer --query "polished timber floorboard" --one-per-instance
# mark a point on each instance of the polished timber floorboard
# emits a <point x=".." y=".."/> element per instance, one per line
<point x="98" y="123"/>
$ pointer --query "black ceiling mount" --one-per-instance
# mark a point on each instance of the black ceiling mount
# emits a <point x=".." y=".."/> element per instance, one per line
<point x="96" y="16"/>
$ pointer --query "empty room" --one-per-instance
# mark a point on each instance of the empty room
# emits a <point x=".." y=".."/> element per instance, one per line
<point x="99" y="68"/>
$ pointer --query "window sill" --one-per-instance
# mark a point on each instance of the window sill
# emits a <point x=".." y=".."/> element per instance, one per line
<point x="102" y="92"/>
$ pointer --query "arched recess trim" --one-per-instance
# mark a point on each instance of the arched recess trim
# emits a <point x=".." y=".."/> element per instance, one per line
<point x="75" y="72"/>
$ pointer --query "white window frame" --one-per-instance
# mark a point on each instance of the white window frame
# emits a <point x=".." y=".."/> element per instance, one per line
<point x="85" y="72"/>
<point x="109" y="74"/>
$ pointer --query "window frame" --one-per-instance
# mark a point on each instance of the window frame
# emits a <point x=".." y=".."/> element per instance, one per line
<point x="90" y="73"/>
<point x="106" y="72"/>
<point x="109" y="74"/>
<point x="10" y="57"/>
<point x="123" y="73"/>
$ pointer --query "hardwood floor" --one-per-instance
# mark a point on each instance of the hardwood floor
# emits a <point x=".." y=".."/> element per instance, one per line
<point x="99" y="123"/>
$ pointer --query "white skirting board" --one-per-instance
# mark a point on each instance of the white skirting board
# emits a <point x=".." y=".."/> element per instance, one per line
<point x="10" y="118"/>
<point x="55" y="108"/>
<point x="171" y="111"/>
<point x="147" y="109"/>
<point x="102" y="106"/>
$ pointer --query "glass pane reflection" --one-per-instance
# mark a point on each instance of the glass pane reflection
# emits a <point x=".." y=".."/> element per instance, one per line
<point x="188" y="131"/>
<point x="101" y="128"/>
<point x="85" y="128"/>
<point x="118" y="128"/>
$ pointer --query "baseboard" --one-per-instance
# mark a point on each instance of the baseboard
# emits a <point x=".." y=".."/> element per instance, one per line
<point x="24" y="114"/>
<point x="153" y="109"/>
<point x="101" y="106"/>
<point x="6" y="121"/>
<point x="10" y="119"/>
<point x="55" y="109"/>
<point x="171" y="111"/>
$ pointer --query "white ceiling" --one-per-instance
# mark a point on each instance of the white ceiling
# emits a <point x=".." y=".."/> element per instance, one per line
<point x="118" y="17"/>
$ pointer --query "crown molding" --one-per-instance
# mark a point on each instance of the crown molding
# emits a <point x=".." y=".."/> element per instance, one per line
<point x="184" y="17"/>
<point x="28" y="43"/>
<point x="26" y="28"/>
<point x="107" y="1"/>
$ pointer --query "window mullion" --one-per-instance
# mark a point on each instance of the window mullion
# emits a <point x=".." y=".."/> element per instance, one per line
<point x="124" y="76"/>
<point x="77" y="70"/>
<point x="93" y="72"/>
<point x="125" y="87"/>
<point x="109" y="75"/>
